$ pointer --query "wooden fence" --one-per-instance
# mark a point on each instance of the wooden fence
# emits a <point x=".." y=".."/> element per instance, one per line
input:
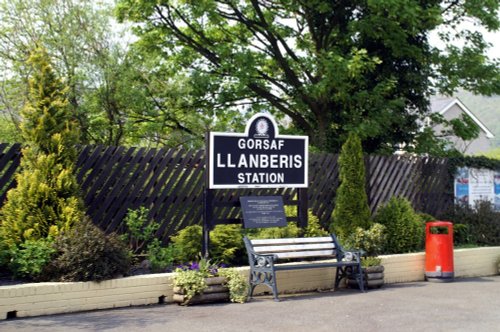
<point x="170" y="183"/>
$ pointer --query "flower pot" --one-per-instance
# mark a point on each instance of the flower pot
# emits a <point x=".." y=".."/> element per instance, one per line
<point x="373" y="277"/>
<point x="216" y="291"/>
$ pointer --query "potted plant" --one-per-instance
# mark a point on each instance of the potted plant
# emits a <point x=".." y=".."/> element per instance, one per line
<point x="203" y="282"/>
<point x="373" y="271"/>
<point x="370" y="243"/>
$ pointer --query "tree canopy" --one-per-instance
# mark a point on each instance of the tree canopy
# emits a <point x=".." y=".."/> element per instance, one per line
<point x="77" y="37"/>
<point x="331" y="67"/>
<point x="322" y="68"/>
<point x="119" y="94"/>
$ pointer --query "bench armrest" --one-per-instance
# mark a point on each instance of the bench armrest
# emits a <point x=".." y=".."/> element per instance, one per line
<point x="352" y="255"/>
<point x="262" y="260"/>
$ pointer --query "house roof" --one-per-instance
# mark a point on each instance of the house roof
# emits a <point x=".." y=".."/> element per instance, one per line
<point x="442" y="104"/>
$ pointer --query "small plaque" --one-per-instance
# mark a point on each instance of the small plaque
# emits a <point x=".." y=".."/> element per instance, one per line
<point x="263" y="211"/>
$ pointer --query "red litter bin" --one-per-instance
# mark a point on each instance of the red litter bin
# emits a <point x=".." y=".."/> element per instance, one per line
<point x="439" y="251"/>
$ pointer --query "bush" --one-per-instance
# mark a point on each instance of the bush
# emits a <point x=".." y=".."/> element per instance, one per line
<point x="160" y="257"/>
<point x="351" y="203"/>
<point x="227" y="244"/>
<point x="141" y="238"/>
<point x="29" y="259"/>
<point x="237" y="284"/>
<point x="313" y="225"/>
<point x="187" y="243"/>
<point x="404" y="228"/>
<point x="85" y="253"/>
<point x="462" y="235"/>
<point x="226" y="241"/>
<point x="479" y="225"/>
<point x="140" y="232"/>
<point x="370" y="241"/>
<point x="425" y="217"/>
<point x="291" y="229"/>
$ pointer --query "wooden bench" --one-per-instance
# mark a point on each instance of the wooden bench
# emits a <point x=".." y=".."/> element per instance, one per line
<point x="265" y="254"/>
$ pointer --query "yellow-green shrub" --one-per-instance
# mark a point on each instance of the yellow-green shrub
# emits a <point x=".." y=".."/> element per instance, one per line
<point x="47" y="199"/>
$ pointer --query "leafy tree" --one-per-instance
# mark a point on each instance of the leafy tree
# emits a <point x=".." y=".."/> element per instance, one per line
<point x="446" y="138"/>
<point x="351" y="203"/>
<point x="120" y="95"/>
<point x="47" y="198"/>
<point x="85" y="49"/>
<point x="465" y="129"/>
<point x="162" y="110"/>
<point x="330" y="66"/>
<point x="8" y="131"/>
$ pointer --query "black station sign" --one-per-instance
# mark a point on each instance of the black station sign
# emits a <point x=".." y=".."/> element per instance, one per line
<point x="258" y="158"/>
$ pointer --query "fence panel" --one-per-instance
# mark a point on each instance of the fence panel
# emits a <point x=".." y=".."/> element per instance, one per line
<point x="170" y="183"/>
<point x="10" y="156"/>
<point x="423" y="181"/>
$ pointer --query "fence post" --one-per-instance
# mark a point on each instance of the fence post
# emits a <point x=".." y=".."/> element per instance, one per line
<point x="302" y="207"/>
<point x="207" y="201"/>
<point x="207" y="220"/>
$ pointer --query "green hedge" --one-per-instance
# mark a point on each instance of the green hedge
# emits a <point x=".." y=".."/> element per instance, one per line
<point x="405" y="228"/>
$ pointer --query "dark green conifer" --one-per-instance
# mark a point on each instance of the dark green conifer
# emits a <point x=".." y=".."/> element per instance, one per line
<point x="351" y="203"/>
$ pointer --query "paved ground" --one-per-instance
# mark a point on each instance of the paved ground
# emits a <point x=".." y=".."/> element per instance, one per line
<point x="463" y="305"/>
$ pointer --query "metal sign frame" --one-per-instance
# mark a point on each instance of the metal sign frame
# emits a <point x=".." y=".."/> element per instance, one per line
<point x="272" y="137"/>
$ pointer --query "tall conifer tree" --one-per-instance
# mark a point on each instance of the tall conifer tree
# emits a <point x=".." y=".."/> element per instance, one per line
<point x="351" y="203"/>
<point x="47" y="197"/>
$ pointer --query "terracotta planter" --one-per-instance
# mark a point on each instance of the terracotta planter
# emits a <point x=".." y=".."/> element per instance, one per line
<point x="216" y="291"/>
<point x="373" y="277"/>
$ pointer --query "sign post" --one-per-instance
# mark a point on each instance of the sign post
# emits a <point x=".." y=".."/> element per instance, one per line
<point x="257" y="158"/>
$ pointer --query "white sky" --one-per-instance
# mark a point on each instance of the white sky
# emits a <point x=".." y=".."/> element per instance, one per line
<point x="491" y="37"/>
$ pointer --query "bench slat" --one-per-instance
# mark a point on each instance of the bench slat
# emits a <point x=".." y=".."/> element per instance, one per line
<point x="304" y="254"/>
<point x="294" y="247"/>
<point x="284" y="267"/>
<point x="257" y="242"/>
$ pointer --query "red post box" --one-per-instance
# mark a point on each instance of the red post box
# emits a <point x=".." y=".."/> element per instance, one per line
<point x="439" y="251"/>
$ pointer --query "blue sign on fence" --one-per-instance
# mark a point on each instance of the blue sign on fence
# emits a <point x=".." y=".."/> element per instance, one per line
<point x="258" y="158"/>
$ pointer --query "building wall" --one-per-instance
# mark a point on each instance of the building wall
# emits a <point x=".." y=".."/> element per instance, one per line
<point x="480" y="144"/>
